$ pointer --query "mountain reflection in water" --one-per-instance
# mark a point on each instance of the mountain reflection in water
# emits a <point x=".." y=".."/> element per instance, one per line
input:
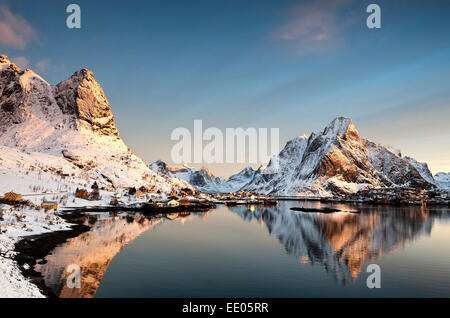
<point x="92" y="251"/>
<point x="339" y="242"/>
<point x="342" y="242"/>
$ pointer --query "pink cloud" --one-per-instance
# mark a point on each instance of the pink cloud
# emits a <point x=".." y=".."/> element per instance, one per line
<point x="21" y="61"/>
<point x="314" y="26"/>
<point x="15" y="31"/>
<point x="42" y="66"/>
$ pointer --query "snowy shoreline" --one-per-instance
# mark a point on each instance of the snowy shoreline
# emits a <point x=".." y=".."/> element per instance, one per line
<point x="17" y="223"/>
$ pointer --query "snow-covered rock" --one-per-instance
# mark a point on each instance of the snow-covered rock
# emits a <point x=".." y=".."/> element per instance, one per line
<point x="442" y="179"/>
<point x="422" y="168"/>
<point x="336" y="161"/>
<point x="202" y="179"/>
<point x="65" y="133"/>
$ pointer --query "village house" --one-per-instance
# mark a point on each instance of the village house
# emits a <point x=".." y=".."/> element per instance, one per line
<point x="11" y="196"/>
<point x="173" y="203"/>
<point x="172" y="216"/>
<point x="184" y="202"/>
<point x="81" y="193"/>
<point x="49" y="205"/>
<point x="143" y="189"/>
<point x="139" y="193"/>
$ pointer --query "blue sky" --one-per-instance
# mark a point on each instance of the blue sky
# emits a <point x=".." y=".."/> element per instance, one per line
<point x="294" y="65"/>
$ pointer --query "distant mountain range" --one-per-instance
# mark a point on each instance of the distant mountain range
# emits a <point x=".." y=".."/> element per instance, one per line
<point x="334" y="161"/>
<point x="203" y="179"/>
<point x="442" y="179"/>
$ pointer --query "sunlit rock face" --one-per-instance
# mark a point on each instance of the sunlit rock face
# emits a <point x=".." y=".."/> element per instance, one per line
<point x="68" y="128"/>
<point x="337" y="161"/>
<point x="82" y="96"/>
<point x="79" y="99"/>
<point x="341" y="242"/>
<point x="93" y="252"/>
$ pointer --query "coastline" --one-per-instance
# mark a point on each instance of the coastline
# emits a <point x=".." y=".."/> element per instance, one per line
<point x="24" y="252"/>
<point x="26" y="236"/>
<point x="33" y="249"/>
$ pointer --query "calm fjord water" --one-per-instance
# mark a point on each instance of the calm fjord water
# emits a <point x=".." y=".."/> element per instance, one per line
<point x="265" y="252"/>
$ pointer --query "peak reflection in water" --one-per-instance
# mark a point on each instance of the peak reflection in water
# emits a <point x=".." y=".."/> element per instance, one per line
<point x="229" y="240"/>
<point x="341" y="242"/>
<point x="92" y="251"/>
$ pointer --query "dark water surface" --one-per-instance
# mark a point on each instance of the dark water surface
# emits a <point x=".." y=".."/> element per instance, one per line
<point x="260" y="252"/>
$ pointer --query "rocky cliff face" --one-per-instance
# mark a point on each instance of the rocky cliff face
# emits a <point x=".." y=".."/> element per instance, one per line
<point x="79" y="100"/>
<point x="67" y="130"/>
<point x="82" y="97"/>
<point x="14" y="89"/>
<point x="336" y="161"/>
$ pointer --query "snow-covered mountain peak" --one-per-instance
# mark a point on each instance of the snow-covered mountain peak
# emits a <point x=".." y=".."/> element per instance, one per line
<point x="5" y="63"/>
<point x="443" y="179"/>
<point x="206" y="171"/>
<point x="342" y="127"/>
<point x="67" y="129"/>
<point x="337" y="160"/>
<point x="204" y="180"/>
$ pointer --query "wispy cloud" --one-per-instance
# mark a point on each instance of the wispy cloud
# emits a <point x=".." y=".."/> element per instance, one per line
<point x="21" y="61"/>
<point x="43" y="65"/>
<point x="15" y="30"/>
<point x="315" y="25"/>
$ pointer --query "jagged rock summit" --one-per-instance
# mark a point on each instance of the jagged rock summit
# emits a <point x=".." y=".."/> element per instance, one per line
<point x="78" y="102"/>
<point x="68" y="130"/>
<point x="337" y="161"/>
<point x="332" y="162"/>
<point x="83" y="97"/>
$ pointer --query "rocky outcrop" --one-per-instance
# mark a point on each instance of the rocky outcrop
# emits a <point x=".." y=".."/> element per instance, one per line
<point x="337" y="161"/>
<point x="12" y="102"/>
<point x="393" y="169"/>
<point x="25" y="94"/>
<point x="67" y="128"/>
<point x="82" y="97"/>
